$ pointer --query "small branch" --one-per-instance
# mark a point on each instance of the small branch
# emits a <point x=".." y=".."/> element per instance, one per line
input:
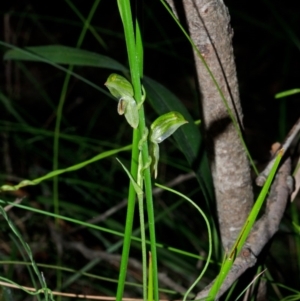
<point x="71" y="295"/>
<point x="262" y="231"/>
<point x="260" y="180"/>
<point x="114" y="260"/>
<point x="156" y="191"/>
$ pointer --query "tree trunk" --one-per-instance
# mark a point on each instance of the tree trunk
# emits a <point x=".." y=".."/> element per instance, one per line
<point x="209" y="27"/>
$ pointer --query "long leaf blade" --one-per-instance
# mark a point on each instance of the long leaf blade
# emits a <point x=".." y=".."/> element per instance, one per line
<point x="65" y="55"/>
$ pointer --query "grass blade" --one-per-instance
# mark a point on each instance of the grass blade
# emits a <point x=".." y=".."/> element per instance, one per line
<point x="65" y="55"/>
<point x="245" y="230"/>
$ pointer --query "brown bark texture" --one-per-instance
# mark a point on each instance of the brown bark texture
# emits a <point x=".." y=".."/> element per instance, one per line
<point x="209" y="27"/>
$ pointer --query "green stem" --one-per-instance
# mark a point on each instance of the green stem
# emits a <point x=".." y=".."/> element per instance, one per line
<point x="241" y="239"/>
<point x="150" y="280"/>
<point x="129" y="219"/>
<point x="143" y="243"/>
<point x="135" y="57"/>
<point x="151" y="222"/>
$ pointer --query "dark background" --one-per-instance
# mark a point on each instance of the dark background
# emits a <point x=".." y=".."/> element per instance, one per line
<point x="266" y="46"/>
<point x="265" y="42"/>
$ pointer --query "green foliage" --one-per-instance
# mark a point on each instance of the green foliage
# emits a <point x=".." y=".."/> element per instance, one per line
<point x="241" y="239"/>
<point x="58" y="172"/>
<point x="47" y="292"/>
<point x="78" y="154"/>
<point x="64" y="55"/>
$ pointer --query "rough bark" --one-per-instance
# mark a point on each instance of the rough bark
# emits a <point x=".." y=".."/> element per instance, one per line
<point x="209" y="27"/>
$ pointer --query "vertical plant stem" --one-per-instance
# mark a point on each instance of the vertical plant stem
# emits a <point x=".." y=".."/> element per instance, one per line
<point x="148" y="183"/>
<point x="150" y="279"/>
<point x="135" y="57"/>
<point x="129" y="220"/>
<point x="151" y="221"/>
<point x="143" y="238"/>
<point x="57" y="128"/>
<point x="125" y="13"/>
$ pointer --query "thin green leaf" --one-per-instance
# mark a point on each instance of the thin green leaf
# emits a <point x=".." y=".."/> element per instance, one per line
<point x="287" y="93"/>
<point x="87" y="23"/>
<point x="237" y="247"/>
<point x="137" y="188"/>
<point x="35" y="57"/>
<point x="103" y="229"/>
<point x="65" y="55"/>
<point x="27" y="249"/>
<point x="208" y="231"/>
<point x="55" y="173"/>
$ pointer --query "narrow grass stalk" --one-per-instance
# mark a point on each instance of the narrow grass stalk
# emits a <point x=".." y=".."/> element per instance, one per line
<point x="129" y="223"/>
<point x="245" y="231"/>
<point x="29" y="267"/>
<point x="144" y="252"/>
<point x="27" y="250"/>
<point x="57" y="130"/>
<point x="125" y="13"/>
<point x="150" y="279"/>
<point x="58" y="172"/>
<point x="60" y="109"/>
<point x="86" y="21"/>
<point x="98" y="228"/>
<point x="151" y="221"/>
<point x="153" y="273"/>
<point x="209" y="237"/>
<point x="135" y="57"/>
<point x="138" y="186"/>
